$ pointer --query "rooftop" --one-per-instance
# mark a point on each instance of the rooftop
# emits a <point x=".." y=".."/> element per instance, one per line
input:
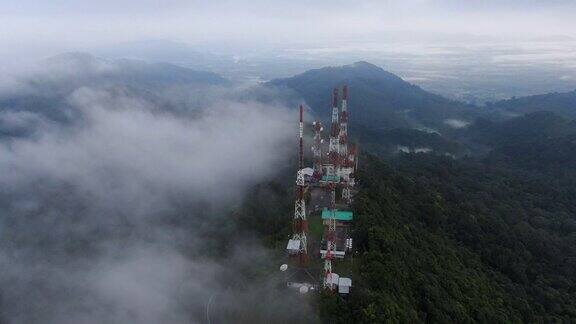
<point x="341" y="215"/>
<point x="334" y="178"/>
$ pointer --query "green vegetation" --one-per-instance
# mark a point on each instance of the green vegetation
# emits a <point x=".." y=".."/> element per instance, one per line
<point x="450" y="241"/>
<point x="388" y="142"/>
<point x="315" y="225"/>
<point x="266" y="211"/>
<point x="523" y="129"/>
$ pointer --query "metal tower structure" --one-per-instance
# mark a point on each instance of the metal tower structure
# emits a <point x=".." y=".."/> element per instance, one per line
<point x="346" y="164"/>
<point x="317" y="149"/>
<point x="330" y="239"/>
<point x="347" y="193"/>
<point x="334" y="144"/>
<point x="300" y="221"/>
<point x="343" y="136"/>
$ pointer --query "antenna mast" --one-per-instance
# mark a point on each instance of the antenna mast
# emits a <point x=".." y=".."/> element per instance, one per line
<point x="300" y="221"/>
<point x="317" y="149"/>
<point x="343" y="149"/>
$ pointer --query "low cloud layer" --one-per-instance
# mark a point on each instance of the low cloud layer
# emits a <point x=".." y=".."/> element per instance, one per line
<point x="112" y="218"/>
<point x="456" y="123"/>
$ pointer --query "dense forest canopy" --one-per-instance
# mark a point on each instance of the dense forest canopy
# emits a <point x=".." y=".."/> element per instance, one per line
<point x="490" y="238"/>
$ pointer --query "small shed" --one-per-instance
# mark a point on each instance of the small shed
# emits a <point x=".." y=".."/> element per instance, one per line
<point x="293" y="246"/>
<point x="344" y="285"/>
<point x="333" y="280"/>
<point x="308" y="172"/>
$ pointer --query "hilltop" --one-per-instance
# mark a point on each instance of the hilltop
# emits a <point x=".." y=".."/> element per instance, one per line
<point x="378" y="100"/>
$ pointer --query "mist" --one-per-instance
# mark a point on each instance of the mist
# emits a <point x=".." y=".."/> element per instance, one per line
<point x="123" y="213"/>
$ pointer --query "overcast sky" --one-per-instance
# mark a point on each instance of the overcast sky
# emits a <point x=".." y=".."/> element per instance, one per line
<point x="38" y="24"/>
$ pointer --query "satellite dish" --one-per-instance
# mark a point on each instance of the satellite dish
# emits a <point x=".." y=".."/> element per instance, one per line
<point x="284" y="267"/>
<point x="303" y="289"/>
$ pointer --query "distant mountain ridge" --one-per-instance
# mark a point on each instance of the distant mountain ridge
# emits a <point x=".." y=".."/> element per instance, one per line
<point x="45" y="90"/>
<point x="561" y="103"/>
<point x="128" y="71"/>
<point x="378" y="99"/>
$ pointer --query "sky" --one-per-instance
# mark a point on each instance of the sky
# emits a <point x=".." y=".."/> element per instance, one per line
<point x="434" y="43"/>
<point x="64" y="24"/>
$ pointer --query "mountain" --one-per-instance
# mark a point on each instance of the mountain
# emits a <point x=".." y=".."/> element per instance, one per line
<point x="46" y="91"/>
<point x="563" y="104"/>
<point x="378" y="99"/>
<point x="90" y="70"/>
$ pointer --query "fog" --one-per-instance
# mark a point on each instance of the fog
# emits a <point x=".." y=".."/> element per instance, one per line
<point x="123" y="213"/>
<point x="66" y="23"/>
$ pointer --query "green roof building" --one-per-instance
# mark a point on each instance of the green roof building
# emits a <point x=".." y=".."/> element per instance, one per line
<point x="339" y="215"/>
<point x="333" y="178"/>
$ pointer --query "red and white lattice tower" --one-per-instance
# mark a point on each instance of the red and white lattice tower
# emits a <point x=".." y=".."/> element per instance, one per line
<point x="346" y="164"/>
<point x="353" y="159"/>
<point x="300" y="221"/>
<point x="330" y="240"/>
<point x="343" y="136"/>
<point x="334" y="144"/>
<point x="317" y="149"/>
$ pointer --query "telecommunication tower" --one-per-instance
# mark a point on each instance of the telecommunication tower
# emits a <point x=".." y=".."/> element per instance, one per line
<point x="317" y="149"/>
<point x="334" y="144"/>
<point x="299" y="236"/>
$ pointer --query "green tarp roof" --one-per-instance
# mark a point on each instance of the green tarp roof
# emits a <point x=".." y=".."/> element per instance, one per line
<point x="333" y="178"/>
<point x="341" y="215"/>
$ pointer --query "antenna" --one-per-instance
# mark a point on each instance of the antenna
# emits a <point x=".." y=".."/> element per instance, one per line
<point x="299" y="243"/>
<point x="333" y="146"/>
<point x="347" y="159"/>
<point x="317" y="149"/>
<point x="343" y="136"/>
<point x="330" y="239"/>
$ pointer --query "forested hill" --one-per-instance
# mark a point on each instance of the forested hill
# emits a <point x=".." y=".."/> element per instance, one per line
<point x="460" y="241"/>
<point x="526" y="128"/>
<point x="378" y="99"/>
<point x="563" y="104"/>
<point x="489" y="238"/>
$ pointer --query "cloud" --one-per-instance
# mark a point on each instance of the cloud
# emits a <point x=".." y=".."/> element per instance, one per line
<point x="456" y="123"/>
<point x="230" y="145"/>
<point x="422" y="150"/>
<point x="18" y="122"/>
<point x="114" y="217"/>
